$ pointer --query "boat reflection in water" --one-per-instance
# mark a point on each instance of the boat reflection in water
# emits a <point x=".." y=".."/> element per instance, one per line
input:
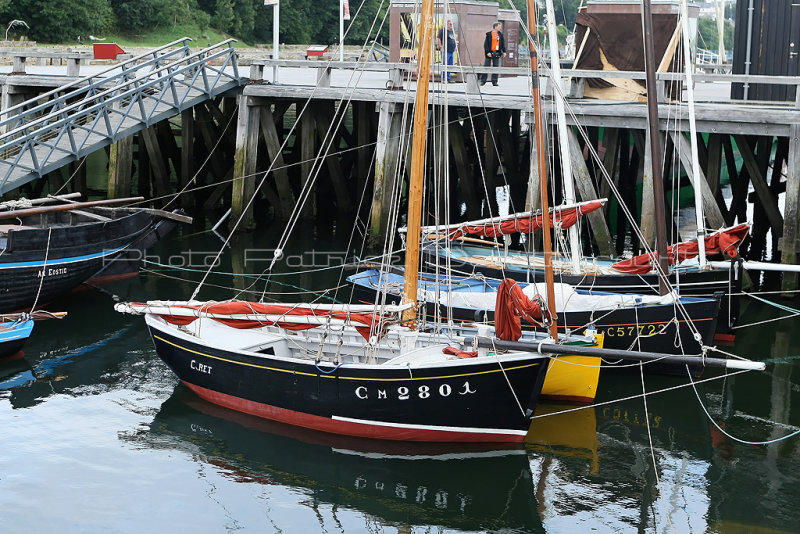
<point x="472" y="487"/>
<point x="66" y="356"/>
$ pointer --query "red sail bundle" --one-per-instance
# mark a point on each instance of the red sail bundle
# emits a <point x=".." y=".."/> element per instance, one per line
<point x="563" y="217"/>
<point x="511" y="306"/>
<point x="722" y="242"/>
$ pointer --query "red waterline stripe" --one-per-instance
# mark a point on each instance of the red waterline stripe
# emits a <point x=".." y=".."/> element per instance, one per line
<point x="347" y="428"/>
<point x="725" y="338"/>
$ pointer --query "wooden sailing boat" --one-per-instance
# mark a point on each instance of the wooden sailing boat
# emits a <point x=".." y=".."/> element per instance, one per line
<point x="371" y="376"/>
<point x="46" y="251"/>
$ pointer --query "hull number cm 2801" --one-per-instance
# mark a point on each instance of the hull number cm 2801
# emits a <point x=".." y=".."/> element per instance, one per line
<point x="422" y="392"/>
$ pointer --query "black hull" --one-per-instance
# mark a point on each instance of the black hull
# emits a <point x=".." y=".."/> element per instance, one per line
<point x="41" y="264"/>
<point x="622" y="328"/>
<point x="690" y="283"/>
<point x="467" y="401"/>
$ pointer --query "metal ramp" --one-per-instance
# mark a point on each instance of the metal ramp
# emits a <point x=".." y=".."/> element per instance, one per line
<point x="67" y="123"/>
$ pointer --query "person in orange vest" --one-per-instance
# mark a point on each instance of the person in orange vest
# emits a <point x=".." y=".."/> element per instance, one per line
<point x="494" y="48"/>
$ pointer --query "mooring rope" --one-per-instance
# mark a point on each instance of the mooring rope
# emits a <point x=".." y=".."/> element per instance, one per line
<point x="728" y="434"/>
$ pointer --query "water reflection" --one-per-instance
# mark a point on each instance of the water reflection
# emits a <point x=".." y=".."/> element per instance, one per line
<point x="82" y="353"/>
<point x="468" y="488"/>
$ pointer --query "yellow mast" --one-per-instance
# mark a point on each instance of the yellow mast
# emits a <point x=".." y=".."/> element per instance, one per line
<point x="541" y="154"/>
<point x="418" y="162"/>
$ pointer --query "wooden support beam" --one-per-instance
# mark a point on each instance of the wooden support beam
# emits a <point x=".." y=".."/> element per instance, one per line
<point x="788" y="243"/>
<point x="120" y="167"/>
<point x="739" y="182"/>
<point x="188" y="170"/>
<point x="243" y="189"/>
<point x="281" y="107"/>
<point x="761" y="225"/>
<point x="212" y="144"/>
<point x="610" y="161"/>
<point x="156" y="159"/>
<point x="387" y="149"/>
<point x="461" y="159"/>
<point x="491" y="162"/>
<point x="169" y="146"/>
<point x="769" y="204"/>
<point x="713" y="170"/>
<point x="281" y="176"/>
<point x="533" y="200"/>
<point x="308" y="151"/>
<point x="365" y="150"/>
<point x="622" y="178"/>
<point x="328" y="118"/>
<point x="144" y="171"/>
<point x="711" y="210"/>
<point x="213" y="107"/>
<point x="219" y="191"/>
<point x="648" y="217"/>
<point x="78" y="173"/>
<point x="507" y="145"/>
<point x="586" y="191"/>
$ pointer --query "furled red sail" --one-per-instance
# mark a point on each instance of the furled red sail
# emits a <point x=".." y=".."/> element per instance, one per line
<point x="254" y="315"/>
<point x="562" y="217"/>
<point x="511" y="306"/>
<point x="721" y="242"/>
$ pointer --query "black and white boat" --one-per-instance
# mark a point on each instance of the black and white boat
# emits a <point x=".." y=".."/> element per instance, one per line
<point x="467" y="258"/>
<point x="351" y="383"/>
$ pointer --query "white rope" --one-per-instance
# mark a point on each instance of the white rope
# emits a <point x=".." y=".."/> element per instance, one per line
<point x="729" y="435"/>
<point x="638" y="395"/>
<point x="44" y="268"/>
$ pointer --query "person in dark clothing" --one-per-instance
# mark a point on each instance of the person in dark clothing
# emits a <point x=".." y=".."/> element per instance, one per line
<point x="447" y="53"/>
<point x="494" y="48"/>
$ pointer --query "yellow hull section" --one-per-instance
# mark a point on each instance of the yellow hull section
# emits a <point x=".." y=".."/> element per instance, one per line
<point x="573" y="379"/>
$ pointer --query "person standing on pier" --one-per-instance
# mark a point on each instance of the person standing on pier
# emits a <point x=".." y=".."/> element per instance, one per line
<point x="494" y="48"/>
<point x="447" y="53"/>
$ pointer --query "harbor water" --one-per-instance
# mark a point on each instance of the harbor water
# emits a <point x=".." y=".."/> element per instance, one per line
<point x="99" y="436"/>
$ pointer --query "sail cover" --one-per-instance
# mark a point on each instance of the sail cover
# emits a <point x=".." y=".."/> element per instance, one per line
<point x="722" y="242"/>
<point x="563" y="218"/>
<point x="244" y="314"/>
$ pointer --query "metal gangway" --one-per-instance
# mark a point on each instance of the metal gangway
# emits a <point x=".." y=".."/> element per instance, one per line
<point x="63" y="125"/>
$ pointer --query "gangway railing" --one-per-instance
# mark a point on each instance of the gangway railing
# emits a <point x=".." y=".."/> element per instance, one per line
<point x="63" y="125"/>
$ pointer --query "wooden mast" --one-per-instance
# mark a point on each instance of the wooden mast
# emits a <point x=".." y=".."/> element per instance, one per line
<point x="541" y="154"/>
<point x="418" y="162"/>
<point x="655" y="145"/>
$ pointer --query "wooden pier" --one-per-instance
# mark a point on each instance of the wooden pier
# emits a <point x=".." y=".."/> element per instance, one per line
<point x="357" y="115"/>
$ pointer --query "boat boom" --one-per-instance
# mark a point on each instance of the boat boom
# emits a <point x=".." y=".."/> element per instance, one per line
<point x="552" y="348"/>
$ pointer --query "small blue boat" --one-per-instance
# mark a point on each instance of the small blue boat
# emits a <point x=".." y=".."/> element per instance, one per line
<point x="14" y="331"/>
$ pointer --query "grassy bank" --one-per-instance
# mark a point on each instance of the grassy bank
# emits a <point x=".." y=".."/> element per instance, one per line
<point x="161" y="36"/>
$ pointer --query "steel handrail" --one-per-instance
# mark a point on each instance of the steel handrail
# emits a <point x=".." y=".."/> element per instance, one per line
<point x="98" y="96"/>
<point x="99" y="74"/>
<point x="87" y="90"/>
<point x="168" y="84"/>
